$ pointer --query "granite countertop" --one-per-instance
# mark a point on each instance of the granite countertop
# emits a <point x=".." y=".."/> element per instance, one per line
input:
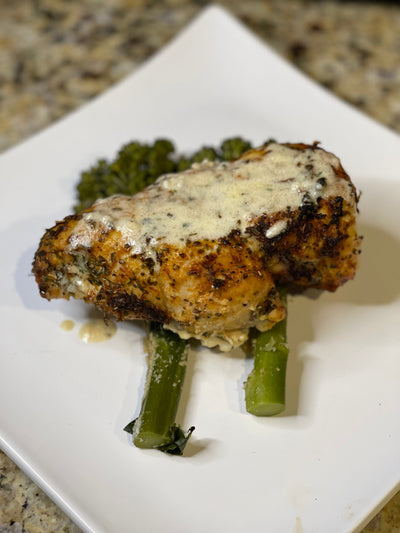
<point x="56" y="55"/>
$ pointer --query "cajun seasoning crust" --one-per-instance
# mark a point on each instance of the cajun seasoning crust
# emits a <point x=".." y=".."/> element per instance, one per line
<point x="210" y="288"/>
<point x="318" y="248"/>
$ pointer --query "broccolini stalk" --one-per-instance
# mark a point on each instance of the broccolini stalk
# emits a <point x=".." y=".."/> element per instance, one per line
<point x="155" y="426"/>
<point x="265" y="385"/>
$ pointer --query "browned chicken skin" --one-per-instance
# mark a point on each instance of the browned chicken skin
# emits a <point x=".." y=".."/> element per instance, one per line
<point x="211" y="286"/>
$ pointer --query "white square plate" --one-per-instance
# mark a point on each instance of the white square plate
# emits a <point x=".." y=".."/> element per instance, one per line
<point x="333" y="458"/>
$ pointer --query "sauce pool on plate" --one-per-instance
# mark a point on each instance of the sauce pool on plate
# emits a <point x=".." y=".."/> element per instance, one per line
<point x="97" y="330"/>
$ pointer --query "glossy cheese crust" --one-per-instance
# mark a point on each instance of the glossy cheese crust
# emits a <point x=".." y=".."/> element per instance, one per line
<point x="212" y="289"/>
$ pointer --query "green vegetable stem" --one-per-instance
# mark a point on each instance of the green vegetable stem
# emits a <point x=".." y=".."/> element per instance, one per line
<point x="266" y="383"/>
<point x="155" y="426"/>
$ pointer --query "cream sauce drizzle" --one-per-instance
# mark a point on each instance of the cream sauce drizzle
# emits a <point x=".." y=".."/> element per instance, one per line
<point x="210" y="200"/>
<point x="67" y="325"/>
<point x="97" y="330"/>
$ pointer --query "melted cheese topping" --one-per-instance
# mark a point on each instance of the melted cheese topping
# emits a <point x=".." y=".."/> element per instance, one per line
<point x="209" y="200"/>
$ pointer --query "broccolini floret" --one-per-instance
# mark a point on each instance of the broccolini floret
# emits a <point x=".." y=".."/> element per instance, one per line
<point x="136" y="166"/>
<point x="233" y="148"/>
<point x="206" y="153"/>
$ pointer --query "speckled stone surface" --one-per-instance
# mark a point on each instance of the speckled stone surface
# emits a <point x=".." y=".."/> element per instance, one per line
<point x="56" y="55"/>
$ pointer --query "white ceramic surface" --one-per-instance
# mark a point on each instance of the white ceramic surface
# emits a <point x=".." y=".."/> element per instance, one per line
<point x="333" y="458"/>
